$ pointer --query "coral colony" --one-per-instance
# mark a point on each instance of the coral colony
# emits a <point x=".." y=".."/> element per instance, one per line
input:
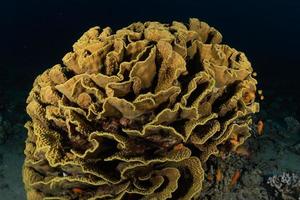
<point x="285" y="186"/>
<point x="136" y="113"/>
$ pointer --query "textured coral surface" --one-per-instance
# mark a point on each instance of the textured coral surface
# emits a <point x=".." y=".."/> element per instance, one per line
<point x="136" y="113"/>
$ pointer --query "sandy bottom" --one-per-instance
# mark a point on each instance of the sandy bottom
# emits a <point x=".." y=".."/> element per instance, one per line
<point x="11" y="161"/>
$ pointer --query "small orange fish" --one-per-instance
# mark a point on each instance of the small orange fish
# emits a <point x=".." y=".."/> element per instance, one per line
<point x="209" y="177"/>
<point x="77" y="190"/>
<point x="235" y="178"/>
<point x="234" y="136"/>
<point x="234" y="142"/>
<point x="178" y="146"/>
<point x="260" y="127"/>
<point x="219" y="175"/>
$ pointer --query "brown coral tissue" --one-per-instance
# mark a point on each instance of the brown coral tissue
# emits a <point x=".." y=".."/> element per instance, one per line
<point x="136" y="113"/>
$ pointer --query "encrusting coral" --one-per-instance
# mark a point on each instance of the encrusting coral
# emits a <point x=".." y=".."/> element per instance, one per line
<point x="285" y="186"/>
<point x="136" y="114"/>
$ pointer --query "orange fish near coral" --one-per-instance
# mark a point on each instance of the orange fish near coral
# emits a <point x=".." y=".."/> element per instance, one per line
<point x="77" y="190"/>
<point x="178" y="146"/>
<point x="209" y="177"/>
<point x="235" y="178"/>
<point x="234" y="142"/>
<point x="219" y="175"/>
<point x="260" y="127"/>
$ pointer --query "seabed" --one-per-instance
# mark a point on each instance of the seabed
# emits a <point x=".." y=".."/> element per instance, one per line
<point x="265" y="167"/>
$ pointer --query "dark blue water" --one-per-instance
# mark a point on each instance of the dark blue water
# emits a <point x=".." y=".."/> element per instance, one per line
<point x="36" y="34"/>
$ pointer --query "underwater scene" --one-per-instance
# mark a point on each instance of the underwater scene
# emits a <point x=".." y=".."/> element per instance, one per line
<point x="150" y="100"/>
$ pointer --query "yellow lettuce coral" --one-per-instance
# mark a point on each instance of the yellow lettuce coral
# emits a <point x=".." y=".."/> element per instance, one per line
<point x="135" y="114"/>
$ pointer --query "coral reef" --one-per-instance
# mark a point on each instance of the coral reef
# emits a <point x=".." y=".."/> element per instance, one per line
<point x="285" y="186"/>
<point x="136" y="114"/>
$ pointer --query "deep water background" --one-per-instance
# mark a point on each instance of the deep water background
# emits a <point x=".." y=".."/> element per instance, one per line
<point x="36" y="34"/>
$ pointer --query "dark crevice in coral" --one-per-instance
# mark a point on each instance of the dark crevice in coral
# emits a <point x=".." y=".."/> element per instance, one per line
<point x="189" y="44"/>
<point x="158" y="62"/>
<point x="185" y="179"/>
<point x="43" y="174"/>
<point x="66" y="102"/>
<point x="225" y="148"/>
<point x="196" y="93"/>
<point x="126" y="58"/>
<point x="238" y="57"/>
<point x="107" y="148"/>
<point x="227" y="94"/>
<point x="68" y="73"/>
<point x="102" y="67"/>
<point x="193" y="66"/>
<point x="101" y="90"/>
<point x="143" y="57"/>
<point x="141" y="54"/>
<point x="79" y="144"/>
<point x="139" y="146"/>
<point x="194" y="150"/>
<point x="146" y="54"/>
<point x="109" y="168"/>
<point x="130" y="96"/>
<point x="87" y="53"/>
<point x="53" y="126"/>
<point x="132" y="196"/>
<point x="161" y="107"/>
<point x="179" y="125"/>
<point x="126" y="41"/>
<point x="125" y="75"/>
<point x="172" y="31"/>
<point x="146" y="183"/>
<point x="164" y="185"/>
<point x="65" y="141"/>
<point x="209" y="38"/>
<point x="229" y="115"/>
<point x="202" y="130"/>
